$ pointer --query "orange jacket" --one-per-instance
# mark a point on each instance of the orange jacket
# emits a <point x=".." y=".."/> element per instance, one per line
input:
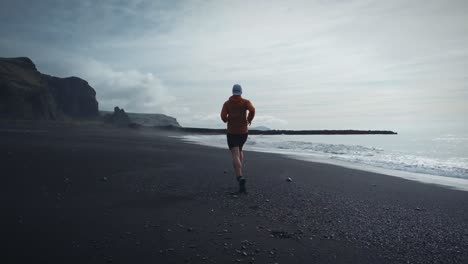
<point x="234" y="112"/>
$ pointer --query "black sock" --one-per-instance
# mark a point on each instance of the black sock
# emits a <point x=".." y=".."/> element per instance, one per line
<point x="239" y="178"/>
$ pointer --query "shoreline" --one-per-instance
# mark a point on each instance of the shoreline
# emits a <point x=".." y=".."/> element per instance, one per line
<point x="97" y="195"/>
<point x="442" y="181"/>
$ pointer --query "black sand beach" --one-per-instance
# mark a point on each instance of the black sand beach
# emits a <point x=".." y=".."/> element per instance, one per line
<point x="84" y="194"/>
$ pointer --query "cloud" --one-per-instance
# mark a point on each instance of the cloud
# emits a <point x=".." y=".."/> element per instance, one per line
<point x="308" y="62"/>
<point x="133" y="90"/>
<point x="209" y="120"/>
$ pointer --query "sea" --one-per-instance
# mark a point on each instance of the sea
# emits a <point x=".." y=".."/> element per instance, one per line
<point x="440" y="159"/>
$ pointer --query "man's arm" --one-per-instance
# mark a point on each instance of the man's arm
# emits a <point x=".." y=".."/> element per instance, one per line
<point x="251" y="109"/>
<point x="224" y="113"/>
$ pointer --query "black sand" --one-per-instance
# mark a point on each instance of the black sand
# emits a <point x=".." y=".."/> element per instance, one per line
<point x="92" y="195"/>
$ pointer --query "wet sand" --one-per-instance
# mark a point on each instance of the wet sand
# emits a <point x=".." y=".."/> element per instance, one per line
<point x="86" y="194"/>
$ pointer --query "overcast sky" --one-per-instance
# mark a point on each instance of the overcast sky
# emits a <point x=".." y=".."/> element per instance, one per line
<point x="339" y="64"/>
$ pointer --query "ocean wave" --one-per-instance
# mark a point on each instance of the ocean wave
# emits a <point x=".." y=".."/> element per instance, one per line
<point x="456" y="167"/>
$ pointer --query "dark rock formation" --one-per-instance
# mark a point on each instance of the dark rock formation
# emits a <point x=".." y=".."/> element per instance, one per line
<point x="119" y="117"/>
<point x="25" y="93"/>
<point x="74" y="96"/>
<point x="148" y="120"/>
<point x="151" y="120"/>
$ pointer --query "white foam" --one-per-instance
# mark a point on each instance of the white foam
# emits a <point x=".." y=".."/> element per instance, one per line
<point x="449" y="182"/>
<point x="449" y="172"/>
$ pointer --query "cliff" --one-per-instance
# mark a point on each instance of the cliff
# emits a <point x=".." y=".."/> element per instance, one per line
<point x="25" y="93"/>
<point x="118" y="117"/>
<point x="147" y="120"/>
<point x="153" y="119"/>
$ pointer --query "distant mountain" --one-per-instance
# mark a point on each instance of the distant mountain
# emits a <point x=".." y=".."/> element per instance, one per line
<point x="261" y="128"/>
<point x="149" y="120"/>
<point x="25" y="93"/>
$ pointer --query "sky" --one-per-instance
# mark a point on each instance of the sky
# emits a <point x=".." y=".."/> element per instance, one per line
<point x="337" y="64"/>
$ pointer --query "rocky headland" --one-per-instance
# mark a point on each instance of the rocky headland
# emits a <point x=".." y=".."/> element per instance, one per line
<point x="139" y="119"/>
<point x="26" y="93"/>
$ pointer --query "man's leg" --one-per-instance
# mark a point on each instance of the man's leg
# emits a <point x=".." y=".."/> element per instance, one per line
<point x="237" y="161"/>
<point x="242" y="142"/>
<point x="241" y="155"/>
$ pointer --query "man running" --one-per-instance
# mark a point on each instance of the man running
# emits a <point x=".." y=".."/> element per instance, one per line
<point x="234" y="112"/>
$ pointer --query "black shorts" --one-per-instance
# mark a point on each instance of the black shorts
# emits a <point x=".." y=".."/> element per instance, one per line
<point x="236" y="140"/>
